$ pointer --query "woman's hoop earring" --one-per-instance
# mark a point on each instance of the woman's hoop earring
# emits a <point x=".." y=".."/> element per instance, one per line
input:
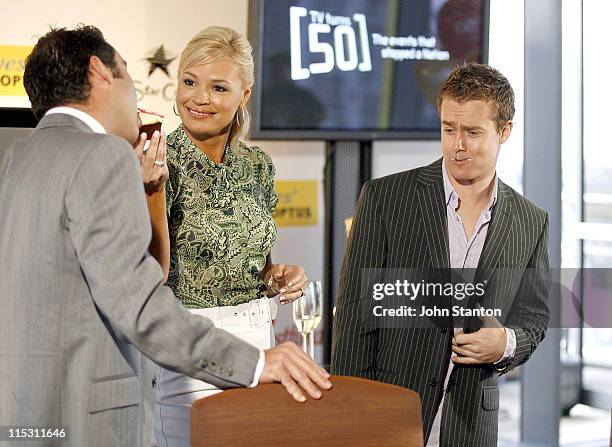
<point x="241" y="115"/>
<point x="238" y="113"/>
<point x="174" y="107"/>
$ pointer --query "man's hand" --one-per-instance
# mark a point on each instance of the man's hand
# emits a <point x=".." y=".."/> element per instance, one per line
<point x="287" y="364"/>
<point x="487" y="345"/>
<point x="152" y="157"/>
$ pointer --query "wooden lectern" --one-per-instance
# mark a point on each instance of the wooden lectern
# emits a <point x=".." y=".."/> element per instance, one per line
<point x="355" y="412"/>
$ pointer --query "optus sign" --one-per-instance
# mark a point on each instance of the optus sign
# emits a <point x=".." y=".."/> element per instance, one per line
<point x="297" y="203"/>
<point x="12" y="66"/>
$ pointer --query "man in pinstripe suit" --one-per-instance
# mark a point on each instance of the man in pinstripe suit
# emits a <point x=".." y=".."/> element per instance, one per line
<point x="454" y="213"/>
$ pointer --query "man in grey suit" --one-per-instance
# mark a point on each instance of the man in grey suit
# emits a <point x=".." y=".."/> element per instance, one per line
<point x="452" y="214"/>
<point x="78" y="288"/>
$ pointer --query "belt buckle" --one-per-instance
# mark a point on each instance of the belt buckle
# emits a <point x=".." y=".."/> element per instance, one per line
<point x="256" y="313"/>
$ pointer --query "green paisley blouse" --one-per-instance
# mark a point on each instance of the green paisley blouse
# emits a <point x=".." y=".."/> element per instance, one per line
<point x="220" y="222"/>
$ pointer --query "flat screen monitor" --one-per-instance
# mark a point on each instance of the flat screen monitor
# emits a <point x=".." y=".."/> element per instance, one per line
<point x="17" y="117"/>
<point x="358" y="69"/>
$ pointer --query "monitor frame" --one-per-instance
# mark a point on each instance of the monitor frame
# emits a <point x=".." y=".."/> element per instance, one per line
<point x="256" y="16"/>
<point x="17" y="117"/>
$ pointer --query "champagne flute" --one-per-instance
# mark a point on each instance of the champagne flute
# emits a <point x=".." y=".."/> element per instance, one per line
<point x="314" y="288"/>
<point x="301" y="318"/>
<point x="307" y="311"/>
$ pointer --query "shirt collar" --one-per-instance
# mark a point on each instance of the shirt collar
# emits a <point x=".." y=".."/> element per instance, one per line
<point x="452" y="198"/>
<point x="180" y="139"/>
<point x="91" y="122"/>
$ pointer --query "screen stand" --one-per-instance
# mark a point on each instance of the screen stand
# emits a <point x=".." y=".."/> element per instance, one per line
<point x="348" y="166"/>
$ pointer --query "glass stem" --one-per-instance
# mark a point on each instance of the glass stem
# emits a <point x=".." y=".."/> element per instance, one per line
<point x="304" y="343"/>
<point x="311" y="339"/>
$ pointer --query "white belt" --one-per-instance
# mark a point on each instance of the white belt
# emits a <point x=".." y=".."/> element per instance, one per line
<point x="255" y="313"/>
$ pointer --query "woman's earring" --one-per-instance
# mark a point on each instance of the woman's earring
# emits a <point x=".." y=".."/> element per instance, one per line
<point x="241" y="115"/>
<point x="174" y="107"/>
<point x="238" y="113"/>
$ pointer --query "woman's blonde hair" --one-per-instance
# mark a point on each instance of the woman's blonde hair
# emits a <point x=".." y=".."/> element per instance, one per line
<point x="212" y="44"/>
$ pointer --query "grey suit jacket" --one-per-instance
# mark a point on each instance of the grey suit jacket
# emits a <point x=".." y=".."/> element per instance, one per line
<point x="400" y="223"/>
<point x="79" y="291"/>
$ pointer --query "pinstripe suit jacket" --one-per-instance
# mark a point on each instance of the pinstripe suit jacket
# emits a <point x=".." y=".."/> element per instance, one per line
<point x="79" y="291"/>
<point x="400" y="222"/>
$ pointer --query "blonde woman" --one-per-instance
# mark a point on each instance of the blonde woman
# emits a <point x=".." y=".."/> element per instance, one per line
<point x="219" y="199"/>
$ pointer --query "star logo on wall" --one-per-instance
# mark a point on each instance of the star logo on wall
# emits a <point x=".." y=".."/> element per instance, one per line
<point x="159" y="60"/>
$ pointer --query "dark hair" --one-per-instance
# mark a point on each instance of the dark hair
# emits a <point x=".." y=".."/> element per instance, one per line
<point x="56" y="71"/>
<point x="473" y="82"/>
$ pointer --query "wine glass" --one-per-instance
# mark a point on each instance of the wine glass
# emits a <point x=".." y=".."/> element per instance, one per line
<point x="307" y="312"/>
<point x="318" y="312"/>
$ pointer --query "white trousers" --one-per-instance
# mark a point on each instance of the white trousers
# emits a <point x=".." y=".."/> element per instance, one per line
<point x="174" y="392"/>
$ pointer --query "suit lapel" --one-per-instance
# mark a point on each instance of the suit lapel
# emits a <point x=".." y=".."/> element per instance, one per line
<point x="432" y="209"/>
<point x="497" y="234"/>
<point x="497" y="238"/>
<point x="430" y="194"/>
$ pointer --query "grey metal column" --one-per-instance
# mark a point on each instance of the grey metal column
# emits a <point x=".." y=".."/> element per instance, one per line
<point x="542" y="168"/>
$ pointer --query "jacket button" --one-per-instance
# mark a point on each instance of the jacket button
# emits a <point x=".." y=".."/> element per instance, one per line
<point x="204" y="364"/>
<point x="433" y="382"/>
<point x="230" y="372"/>
<point x="444" y="330"/>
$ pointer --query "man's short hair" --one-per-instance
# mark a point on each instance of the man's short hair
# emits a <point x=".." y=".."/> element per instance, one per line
<point x="56" y="72"/>
<point x="474" y="82"/>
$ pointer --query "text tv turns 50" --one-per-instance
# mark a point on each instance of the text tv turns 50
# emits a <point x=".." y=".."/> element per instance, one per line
<point x="343" y="54"/>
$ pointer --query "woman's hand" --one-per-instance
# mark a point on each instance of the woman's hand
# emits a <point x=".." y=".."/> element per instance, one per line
<point x="287" y="280"/>
<point x="152" y="157"/>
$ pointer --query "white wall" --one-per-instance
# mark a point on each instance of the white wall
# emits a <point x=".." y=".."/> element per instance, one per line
<point x="389" y="157"/>
<point x="134" y="28"/>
